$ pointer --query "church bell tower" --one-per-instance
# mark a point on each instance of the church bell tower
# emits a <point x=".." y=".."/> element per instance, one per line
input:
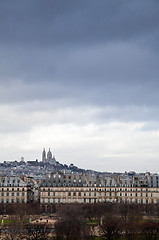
<point x="44" y="156"/>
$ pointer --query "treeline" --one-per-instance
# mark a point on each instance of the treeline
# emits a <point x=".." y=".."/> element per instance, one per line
<point x="107" y="221"/>
<point x="34" y="208"/>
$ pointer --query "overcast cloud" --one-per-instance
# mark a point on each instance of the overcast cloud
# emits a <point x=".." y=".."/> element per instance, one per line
<point x="80" y="77"/>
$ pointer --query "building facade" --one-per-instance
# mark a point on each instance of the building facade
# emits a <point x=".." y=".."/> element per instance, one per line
<point x="75" y="188"/>
<point x="58" y="195"/>
<point x="13" y="190"/>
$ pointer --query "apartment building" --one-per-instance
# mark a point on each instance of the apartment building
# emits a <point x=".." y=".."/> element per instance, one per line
<point x="74" y="188"/>
<point x="13" y="190"/>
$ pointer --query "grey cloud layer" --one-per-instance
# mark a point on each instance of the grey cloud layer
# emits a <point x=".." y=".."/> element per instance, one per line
<point x="61" y="22"/>
<point x="108" y="75"/>
<point x="99" y="52"/>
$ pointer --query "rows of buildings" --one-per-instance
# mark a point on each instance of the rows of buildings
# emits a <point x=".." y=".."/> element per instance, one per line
<point x="80" y="188"/>
<point x="57" y="183"/>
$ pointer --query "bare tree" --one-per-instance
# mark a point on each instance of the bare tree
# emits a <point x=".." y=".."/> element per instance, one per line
<point x="70" y="225"/>
<point x="110" y="228"/>
<point x="149" y="230"/>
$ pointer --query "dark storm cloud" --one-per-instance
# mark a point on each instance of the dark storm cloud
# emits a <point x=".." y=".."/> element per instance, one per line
<point x="63" y="22"/>
<point x="99" y="52"/>
<point x="112" y="75"/>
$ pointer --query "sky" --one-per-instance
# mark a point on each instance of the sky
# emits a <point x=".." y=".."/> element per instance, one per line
<point x="81" y="78"/>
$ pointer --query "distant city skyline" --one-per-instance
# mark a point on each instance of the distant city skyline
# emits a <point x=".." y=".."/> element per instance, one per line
<point x="81" y="77"/>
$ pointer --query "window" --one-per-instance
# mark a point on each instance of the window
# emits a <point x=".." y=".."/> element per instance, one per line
<point x="12" y="193"/>
<point x="18" y="194"/>
<point x="7" y="193"/>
